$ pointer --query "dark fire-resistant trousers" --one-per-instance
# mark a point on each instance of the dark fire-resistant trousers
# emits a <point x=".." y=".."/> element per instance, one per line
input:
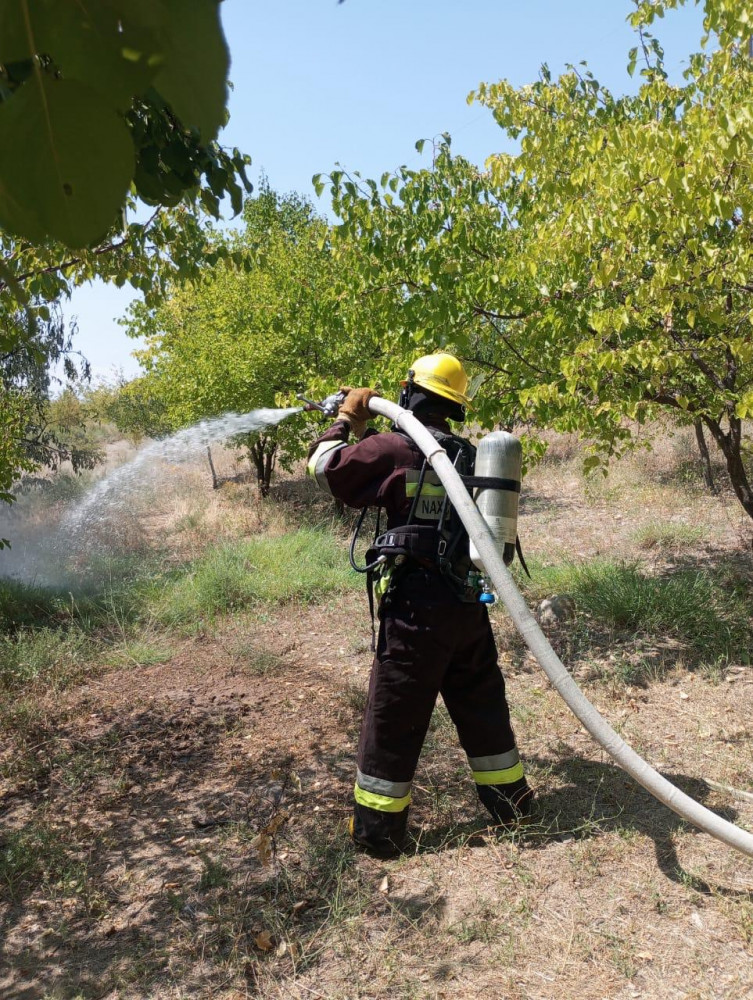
<point x="431" y="643"/>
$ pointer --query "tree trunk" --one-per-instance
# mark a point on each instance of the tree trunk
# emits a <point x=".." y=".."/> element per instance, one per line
<point x="730" y="445"/>
<point x="708" y="476"/>
<point x="215" y="480"/>
<point x="263" y="453"/>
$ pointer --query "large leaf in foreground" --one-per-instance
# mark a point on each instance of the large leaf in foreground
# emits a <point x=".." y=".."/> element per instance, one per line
<point x="52" y="189"/>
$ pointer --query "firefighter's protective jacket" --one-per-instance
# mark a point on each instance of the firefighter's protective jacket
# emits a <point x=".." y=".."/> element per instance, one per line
<point x="372" y="472"/>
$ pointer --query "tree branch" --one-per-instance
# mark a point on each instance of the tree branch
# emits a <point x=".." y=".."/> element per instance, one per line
<point x="491" y="320"/>
<point x="55" y="268"/>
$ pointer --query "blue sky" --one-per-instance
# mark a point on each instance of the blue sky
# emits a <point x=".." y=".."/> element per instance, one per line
<point x="317" y="82"/>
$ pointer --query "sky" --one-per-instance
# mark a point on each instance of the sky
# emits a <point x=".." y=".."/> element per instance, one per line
<point x="316" y="82"/>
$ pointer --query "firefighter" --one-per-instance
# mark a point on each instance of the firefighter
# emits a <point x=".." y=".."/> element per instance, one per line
<point x="434" y="634"/>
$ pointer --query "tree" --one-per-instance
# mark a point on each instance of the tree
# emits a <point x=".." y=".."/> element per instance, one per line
<point x="601" y="274"/>
<point x="104" y="109"/>
<point x="249" y="336"/>
<point x="130" y="406"/>
<point x="50" y="433"/>
<point x="35" y="431"/>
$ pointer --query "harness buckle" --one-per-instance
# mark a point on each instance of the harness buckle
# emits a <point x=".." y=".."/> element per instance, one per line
<point x="442" y="547"/>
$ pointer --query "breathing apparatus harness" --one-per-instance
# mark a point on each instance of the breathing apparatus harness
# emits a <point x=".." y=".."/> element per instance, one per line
<point x="441" y="547"/>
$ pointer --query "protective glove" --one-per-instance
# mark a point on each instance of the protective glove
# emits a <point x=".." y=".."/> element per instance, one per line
<point x="355" y="409"/>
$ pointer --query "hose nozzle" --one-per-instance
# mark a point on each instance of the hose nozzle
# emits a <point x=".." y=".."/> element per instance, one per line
<point x="328" y="406"/>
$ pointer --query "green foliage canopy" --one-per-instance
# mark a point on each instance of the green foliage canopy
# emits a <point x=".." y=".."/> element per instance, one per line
<point x="252" y="331"/>
<point x="601" y="274"/>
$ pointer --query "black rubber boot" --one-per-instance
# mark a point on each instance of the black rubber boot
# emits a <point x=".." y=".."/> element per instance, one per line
<point x="379" y="833"/>
<point x="508" y="804"/>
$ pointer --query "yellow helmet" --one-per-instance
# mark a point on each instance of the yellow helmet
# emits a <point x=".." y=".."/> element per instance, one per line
<point x="442" y="374"/>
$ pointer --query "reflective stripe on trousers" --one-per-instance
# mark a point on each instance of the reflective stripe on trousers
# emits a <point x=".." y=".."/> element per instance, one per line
<point x="380" y="794"/>
<point x="497" y="769"/>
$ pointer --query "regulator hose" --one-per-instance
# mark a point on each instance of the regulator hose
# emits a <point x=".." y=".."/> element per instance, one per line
<point x="537" y="642"/>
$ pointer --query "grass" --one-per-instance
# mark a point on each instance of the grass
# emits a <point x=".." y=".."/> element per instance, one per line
<point x="46" y="657"/>
<point x="23" y="604"/>
<point x="102" y="817"/>
<point x="694" y="608"/>
<point x="38" y="855"/>
<point x="669" y="535"/>
<point x="301" y="566"/>
<point x="49" y="637"/>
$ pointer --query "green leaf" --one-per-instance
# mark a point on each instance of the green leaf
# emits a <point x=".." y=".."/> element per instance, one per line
<point x="113" y="46"/>
<point x="15" y="44"/>
<point x="591" y="463"/>
<point x="53" y="189"/>
<point x="193" y="77"/>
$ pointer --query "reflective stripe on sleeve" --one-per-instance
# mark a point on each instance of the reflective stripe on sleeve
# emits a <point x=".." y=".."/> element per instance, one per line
<point x="497" y="769"/>
<point x="319" y="460"/>
<point x="380" y="794"/>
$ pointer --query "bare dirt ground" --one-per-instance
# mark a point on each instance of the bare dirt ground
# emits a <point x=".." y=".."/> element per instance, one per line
<point x="189" y="816"/>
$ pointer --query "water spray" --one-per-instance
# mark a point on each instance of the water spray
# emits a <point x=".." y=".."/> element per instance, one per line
<point x="94" y="522"/>
<point x="114" y="489"/>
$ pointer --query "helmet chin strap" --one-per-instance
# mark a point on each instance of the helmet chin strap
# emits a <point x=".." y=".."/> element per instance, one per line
<point x="407" y="391"/>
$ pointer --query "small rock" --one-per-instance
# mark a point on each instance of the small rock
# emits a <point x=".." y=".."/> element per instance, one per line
<point x="556" y="609"/>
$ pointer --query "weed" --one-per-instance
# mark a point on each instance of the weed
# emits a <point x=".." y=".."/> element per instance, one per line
<point x="38" y="855"/>
<point x="214" y="875"/>
<point x="746" y="921"/>
<point x="46" y="655"/>
<point x="469" y="930"/>
<point x="639" y="672"/>
<point x="190" y="521"/>
<point x="23" y="604"/>
<point x="139" y="653"/>
<point x="689" y="607"/>
<point x="668" y="535"/>
<point x="353" y="697"/>
<point x="251" y="660"/>
<point x="301" y="566"/>
<point x="441" y="729"/>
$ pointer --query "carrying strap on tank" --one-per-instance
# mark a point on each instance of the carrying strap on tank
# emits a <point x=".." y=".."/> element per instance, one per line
<point x="426" y="544"/>
<point x="464" y="456"/>
<point x="490" y="483"/>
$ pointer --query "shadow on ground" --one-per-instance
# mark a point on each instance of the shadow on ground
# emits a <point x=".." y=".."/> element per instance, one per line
<point x="592" y="799"/>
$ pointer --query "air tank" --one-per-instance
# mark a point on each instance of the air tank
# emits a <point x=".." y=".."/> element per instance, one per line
<point x="499" y="455"/>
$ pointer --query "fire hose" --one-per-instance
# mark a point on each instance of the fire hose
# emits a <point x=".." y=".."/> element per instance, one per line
<point x="539" y="645"/>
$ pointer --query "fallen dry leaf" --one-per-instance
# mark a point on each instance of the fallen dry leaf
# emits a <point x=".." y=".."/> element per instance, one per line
<point x="262" y="844"/>
<point x="264" y="941"/>
<point x="384" y="885"/>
